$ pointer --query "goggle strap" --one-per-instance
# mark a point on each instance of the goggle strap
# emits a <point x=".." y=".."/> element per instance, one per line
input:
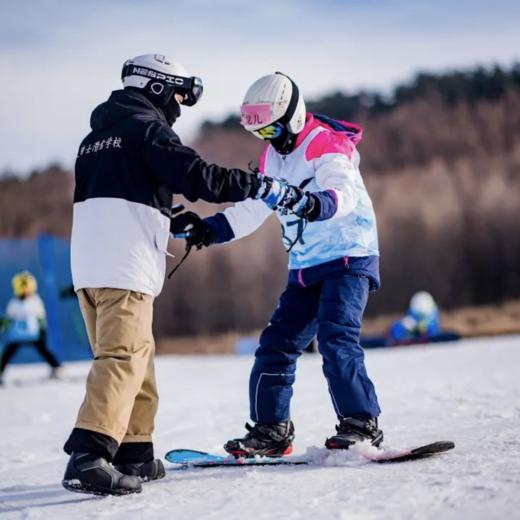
<point x="138" y="70"/>
<point x="186" y="86"/>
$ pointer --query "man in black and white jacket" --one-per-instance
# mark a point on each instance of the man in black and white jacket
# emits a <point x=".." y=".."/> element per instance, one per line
<point x="127" y="170"/>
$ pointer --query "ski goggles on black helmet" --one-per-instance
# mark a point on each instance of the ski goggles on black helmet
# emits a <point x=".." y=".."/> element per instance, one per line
<point x="190" y="88"/>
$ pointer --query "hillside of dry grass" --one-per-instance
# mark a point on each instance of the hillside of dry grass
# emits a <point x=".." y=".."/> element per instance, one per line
<point x="444" y="176"/>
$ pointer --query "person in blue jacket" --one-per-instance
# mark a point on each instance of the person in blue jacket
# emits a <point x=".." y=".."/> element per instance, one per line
<point x="421" y="320"/>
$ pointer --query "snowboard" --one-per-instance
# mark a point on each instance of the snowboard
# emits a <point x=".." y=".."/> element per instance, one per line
<point x="184" y="459"/>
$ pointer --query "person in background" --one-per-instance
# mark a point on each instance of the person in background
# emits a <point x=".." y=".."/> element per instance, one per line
<point x="333" y="264"/>
<point x="421" y="320"/>
<point x="25" y="323"/>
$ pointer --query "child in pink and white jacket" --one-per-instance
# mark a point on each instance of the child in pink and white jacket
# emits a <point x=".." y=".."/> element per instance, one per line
<point x="333" y="264"/>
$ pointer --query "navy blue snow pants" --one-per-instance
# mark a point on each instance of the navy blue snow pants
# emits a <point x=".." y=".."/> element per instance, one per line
<point x="332" y="306"/>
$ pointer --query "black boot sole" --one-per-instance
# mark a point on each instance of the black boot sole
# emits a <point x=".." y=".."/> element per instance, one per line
<point x="76" y="486"/>
<point x="345" y="445"/>
<point x="150" y="479"/>
<point x="161" y="473"/>
<point x="274" y="453"/>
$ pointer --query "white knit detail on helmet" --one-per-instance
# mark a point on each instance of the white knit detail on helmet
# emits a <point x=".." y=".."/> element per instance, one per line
<point x="274" y="91"/>
<point x="297" y="121"/>
<point x="156" y="62"/>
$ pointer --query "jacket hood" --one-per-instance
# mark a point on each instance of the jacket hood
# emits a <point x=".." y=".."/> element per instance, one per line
<point x="353" y="132"/>
<point x="120" y="105"/>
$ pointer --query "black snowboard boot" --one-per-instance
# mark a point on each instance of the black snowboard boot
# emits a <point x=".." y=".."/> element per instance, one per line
<point x="263" y="440"/>
<point x="355" y="429"/>
<point x="89" y="473"/>
<point x="146" y="471"/>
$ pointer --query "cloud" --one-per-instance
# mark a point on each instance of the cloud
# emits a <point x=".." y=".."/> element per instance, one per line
<point x="60" y="59"/>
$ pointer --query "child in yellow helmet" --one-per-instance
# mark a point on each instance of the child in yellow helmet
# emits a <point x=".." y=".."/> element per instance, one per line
<point x="25" y="322"/>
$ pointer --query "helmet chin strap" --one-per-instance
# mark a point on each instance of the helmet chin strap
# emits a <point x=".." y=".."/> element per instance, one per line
<point x="284" y="144"/>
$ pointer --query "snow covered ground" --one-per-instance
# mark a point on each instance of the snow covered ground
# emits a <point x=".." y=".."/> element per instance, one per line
<point x="468" y="392"/>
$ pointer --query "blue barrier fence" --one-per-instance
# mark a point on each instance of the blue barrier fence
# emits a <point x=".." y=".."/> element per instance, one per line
<point x="48" y="259"/>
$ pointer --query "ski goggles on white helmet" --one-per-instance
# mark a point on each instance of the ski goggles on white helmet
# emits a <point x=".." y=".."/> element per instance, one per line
<point x="190" y="88"/>
<point x="269" y="132"/>
<point x="258" y="114"/>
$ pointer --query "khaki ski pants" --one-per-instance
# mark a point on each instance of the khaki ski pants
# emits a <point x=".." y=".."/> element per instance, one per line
<point x="121" y="396"/>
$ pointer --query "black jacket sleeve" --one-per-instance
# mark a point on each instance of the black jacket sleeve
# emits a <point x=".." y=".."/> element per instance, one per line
<point x="183" y="171"/>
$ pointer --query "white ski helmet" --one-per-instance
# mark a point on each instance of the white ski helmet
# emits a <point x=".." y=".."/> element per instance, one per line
<point x="160" y="78"/>
<point x="273" y="100"/>
<point x="423" y="304"/>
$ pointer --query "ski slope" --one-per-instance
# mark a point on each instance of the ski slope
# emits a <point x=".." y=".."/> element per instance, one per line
<point x="468" y="392"/>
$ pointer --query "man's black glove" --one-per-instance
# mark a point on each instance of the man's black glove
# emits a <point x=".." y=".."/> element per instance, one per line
<point x="192" y="228"/>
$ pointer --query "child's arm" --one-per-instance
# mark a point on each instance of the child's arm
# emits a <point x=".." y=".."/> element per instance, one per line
<point x="10" y="309"/>
<point x="4" y="324"/>
<point x="233" y="223"/>
<point x="6" y="320"/>
<point x="336" y="164"/>
<point x="243" y="219"/>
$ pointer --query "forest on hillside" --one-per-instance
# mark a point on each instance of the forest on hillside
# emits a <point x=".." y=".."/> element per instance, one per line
<point x="441" y="160"/>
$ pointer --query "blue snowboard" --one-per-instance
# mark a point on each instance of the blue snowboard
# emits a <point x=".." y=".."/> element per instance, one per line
<point x="200" y="459"/>
<point x="184" y="459"/>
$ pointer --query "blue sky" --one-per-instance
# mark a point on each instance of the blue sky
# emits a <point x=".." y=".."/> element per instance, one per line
<point x="59" y="59"/>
